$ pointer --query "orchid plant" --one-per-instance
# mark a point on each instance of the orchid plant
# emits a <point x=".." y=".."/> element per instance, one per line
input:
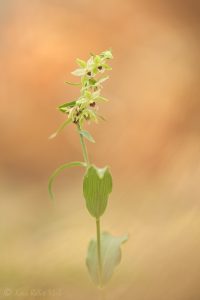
<point x="104" y="251"/>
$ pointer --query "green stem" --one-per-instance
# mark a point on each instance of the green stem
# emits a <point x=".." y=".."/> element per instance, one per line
<point x="98" y="231"/>
<point x="99" y="251"/>
<point x="84" y="148"/>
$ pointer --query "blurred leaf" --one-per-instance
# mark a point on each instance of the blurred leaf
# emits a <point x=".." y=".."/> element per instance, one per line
<point x="62" y="126"/>
<point x="66" y="105"/>
<point x="97" y="185"/>
<point x="87" y="135"/>
<point x="110" y="254"/>
<point x="59" y="169"/>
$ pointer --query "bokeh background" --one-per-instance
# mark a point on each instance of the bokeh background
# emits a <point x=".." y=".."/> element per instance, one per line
<point x="151" y="141"/>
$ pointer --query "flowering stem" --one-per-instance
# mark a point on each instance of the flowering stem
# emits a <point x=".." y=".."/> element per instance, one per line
<point x="98" y="230"/>
<point x="99" y="251"/>
<point x="84" y="148"/>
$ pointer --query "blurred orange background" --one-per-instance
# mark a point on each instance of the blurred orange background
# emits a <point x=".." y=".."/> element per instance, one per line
<point x="151" y="141"/>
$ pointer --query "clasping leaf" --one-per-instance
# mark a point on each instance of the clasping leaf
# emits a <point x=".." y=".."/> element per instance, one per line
<point x="110" y="254"/>
<point x="97" y="185"/>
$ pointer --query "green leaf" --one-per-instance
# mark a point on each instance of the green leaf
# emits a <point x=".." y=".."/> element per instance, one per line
<point x="110" y="254"/>
<point x="73" y="83"/>
<point x="87" y="135"/>
<point x="97" y="185"/>
<point x="58" y="170"/>
<point x="62" y="126"/>
<point x="65" y="105"/>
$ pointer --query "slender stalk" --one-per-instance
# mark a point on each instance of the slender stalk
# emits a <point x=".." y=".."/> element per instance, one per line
<point x="98" y="230"/>
<point x="84" y="148"/>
